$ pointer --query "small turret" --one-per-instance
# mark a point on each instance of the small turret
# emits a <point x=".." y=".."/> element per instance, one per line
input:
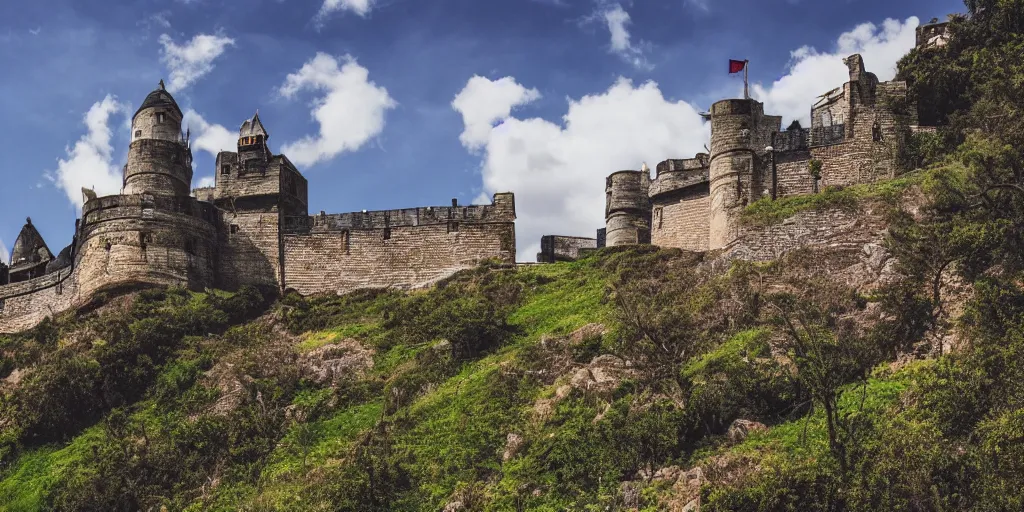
<point x="252" y="142"/>
<point x="628" y="208"/>
<point x="159" y="158"/>
<point x="29" y="256"/>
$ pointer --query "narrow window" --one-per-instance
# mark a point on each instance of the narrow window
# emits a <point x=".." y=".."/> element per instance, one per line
<point x="453" y="227"/>
<point x="138" y="133"/>
<point x="387" y="233"/>
<point x="225" y="170"/>
<point x="2" y="304"/>
<point x="234" y="228"/>
<point x="159" y="117"/>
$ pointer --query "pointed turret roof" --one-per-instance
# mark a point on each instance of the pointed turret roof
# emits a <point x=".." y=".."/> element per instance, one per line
<point x="159" y="98"/>
<point x="253" y="127"/>
<point x="30" y="247"/>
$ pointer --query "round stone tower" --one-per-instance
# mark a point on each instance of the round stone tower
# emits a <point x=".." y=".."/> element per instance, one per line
<point x="159" y="159"/>
<point x="733" y="126"/>
<point x="628" y="208"/>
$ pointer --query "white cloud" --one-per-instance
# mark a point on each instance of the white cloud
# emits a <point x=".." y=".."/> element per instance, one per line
<point x="89" y="162"/>
<point x="617" y="20"/>
<point x="350" y="111"/>
<point x="812" y="73"/>
<point x="212" y="138"/>
<point x="557" y="171"/>
<point x="483" y="102"/>
<point x="205" y="182"/>
<point x="191" y="61"/>
<point x="360" y="7"/>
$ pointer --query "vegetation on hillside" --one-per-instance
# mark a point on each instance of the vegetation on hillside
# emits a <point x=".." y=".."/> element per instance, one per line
<point x="634" y="379"/>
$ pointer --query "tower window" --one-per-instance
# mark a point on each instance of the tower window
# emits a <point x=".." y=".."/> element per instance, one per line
<point x="138" y="133"/>
<point x="453" y="227"/>
<point x="234" y="228"/>
<point x="387" y="233"/>
<point x="225" y="170"/>
<point x="159" y="117"/>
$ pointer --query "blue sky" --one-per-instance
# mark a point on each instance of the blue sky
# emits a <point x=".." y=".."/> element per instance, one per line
<point x="401" y="103"/>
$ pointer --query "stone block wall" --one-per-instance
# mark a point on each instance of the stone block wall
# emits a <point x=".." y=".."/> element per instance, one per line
<point x="25" y="304"/>
<point x="680" y="219"/>
<point x="563" y="248"/>
<point x="396" y="248"/>
<point x="793" y="173"/>
<point x="250" y="246"/>
<point x="146" y="239"/>
<point x="837" y="229"/>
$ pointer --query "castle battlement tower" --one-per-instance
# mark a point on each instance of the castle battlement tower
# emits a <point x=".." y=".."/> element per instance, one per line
<point x="628" y="208"/>
<point x="159" y="158"/>
<point x="740" y="134"/>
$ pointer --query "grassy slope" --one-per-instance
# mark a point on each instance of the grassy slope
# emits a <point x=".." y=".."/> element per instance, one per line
<point x="451" y="436"/>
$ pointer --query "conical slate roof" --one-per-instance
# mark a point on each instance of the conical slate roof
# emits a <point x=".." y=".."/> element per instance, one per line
<point x="30" y="247"/>
<point x="159" y="98"/>
<point x="253" y="127"/>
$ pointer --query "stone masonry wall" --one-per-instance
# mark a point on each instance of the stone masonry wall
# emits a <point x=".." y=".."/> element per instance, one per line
<point x="563" y="248"/>
<point x="400" y="257"/>
<point x="793" y="171"/>
<point x="146" y="239"/>
<point x="681" y="219"/>
<point x="25" y="304"/>
<point x="250" y="249"/>
<point x="834" y="228"/>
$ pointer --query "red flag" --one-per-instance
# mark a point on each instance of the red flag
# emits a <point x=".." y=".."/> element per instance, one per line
<point x="735" y="66"/>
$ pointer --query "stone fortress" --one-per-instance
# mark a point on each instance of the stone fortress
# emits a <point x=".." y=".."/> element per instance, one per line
<point x="695" y="204"/>
<point x="251" y="228"/>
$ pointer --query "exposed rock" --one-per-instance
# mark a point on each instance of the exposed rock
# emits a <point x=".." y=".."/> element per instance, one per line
<point x="454" y="506"/>
<point x="586" y="332"/>
<point x="740" y="429"/>
<point x="332" y="363"/>
<point x="230" y="387"/>
<point x="512" y="445"/>
<point x="15" y="377"/>
<point x="442" y="346"/>
<point x="602" y="375"/>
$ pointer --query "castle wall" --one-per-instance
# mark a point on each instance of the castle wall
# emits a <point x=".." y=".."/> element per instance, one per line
<point x="564" y="248"/>
<point x="793" y="173"/>
<point x="681" y="219"/>
<point x="25" y="304"/>
<point x="859" y="158"/>
<point x="250" y="249"/>
<point x="851" y="231"/>
<point x="396" y="248"/>
<point x="146" y="239"/>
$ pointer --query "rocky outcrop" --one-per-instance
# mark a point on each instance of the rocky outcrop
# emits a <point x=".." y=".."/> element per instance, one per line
<point x="332" y="363"/>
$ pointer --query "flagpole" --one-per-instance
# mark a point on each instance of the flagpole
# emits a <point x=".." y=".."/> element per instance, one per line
<point x="746" y="90"/>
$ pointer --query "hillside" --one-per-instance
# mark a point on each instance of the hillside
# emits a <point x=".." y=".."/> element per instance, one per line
<point x="886" y="376"/>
